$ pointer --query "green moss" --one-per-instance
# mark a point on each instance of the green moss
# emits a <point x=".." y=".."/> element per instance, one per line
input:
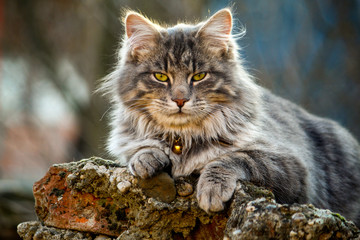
<point x="102" y="202"/>
<point x="258" y="192"/>
<point x="339" y="216"/>
<point x="102" y="162"/>
<point x="62" y="174"/>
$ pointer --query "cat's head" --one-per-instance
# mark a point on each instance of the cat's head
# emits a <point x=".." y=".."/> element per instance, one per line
<point x="181" y="78"/>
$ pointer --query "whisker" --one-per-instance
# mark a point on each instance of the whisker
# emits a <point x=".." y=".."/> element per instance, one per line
<point x="107" y="110"/>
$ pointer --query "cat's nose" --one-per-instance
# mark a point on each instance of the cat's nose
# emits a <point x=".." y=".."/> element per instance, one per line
<point x="180" y="102"/>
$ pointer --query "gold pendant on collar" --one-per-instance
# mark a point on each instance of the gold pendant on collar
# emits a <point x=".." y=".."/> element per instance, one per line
<point x="177" y="146"/>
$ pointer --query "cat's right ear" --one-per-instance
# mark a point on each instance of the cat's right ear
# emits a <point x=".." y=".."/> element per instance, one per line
<point x="216" y="32"/>
<point x="141" y="34"/>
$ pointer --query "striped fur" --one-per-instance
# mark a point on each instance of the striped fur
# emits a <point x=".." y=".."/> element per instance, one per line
<point x="231" y="129"/>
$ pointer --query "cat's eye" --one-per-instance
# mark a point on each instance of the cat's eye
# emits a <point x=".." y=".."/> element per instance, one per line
<point x="161" y="77"/>
<point x="199" y="76"/>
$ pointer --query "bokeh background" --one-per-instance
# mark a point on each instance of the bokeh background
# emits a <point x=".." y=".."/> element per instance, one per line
<point x="53" y="54"/>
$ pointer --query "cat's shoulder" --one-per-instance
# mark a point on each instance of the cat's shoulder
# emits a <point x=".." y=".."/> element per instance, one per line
<point x="274" y="103"/>
<point x="284" y="110"/>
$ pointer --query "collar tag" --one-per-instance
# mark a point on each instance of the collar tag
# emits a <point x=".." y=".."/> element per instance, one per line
<point x="177" y="146"/>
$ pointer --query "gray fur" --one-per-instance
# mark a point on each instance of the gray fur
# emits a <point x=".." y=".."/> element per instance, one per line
<point x="231" y="129"/>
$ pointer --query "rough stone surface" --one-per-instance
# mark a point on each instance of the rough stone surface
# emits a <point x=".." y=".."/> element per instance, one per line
<point x="99" y="196"/>
<point x="263" y="218"/>
<point x="97" y="199"/>
<point x="35" y="230"/>
<point x="160" y="187"/>
<point x="184" y="187"/>
<point x="80" y="196"/>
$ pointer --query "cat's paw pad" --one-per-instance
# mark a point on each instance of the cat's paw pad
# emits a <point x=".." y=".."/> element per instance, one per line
<point x="147" y="162"/>
<point x="214" y="192"/>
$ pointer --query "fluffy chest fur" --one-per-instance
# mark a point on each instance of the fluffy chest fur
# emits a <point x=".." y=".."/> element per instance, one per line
<point x="222" y="105"/>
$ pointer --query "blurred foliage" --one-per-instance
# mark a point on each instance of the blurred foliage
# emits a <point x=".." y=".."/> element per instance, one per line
<point x="54" y="52"/>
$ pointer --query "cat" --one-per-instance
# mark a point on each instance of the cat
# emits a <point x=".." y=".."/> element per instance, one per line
<point x="182" y="99"/>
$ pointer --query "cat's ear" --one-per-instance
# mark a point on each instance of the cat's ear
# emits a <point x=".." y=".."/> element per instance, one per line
<point x="216" y="32"/>
<point x="141" y="34"/>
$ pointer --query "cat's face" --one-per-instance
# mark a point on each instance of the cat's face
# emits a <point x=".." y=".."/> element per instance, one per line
<point x="180" y="76"/>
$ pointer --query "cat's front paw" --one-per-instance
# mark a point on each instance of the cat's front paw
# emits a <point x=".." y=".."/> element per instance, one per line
<point x="214" y="189"/>
<point x="147" y="162"/>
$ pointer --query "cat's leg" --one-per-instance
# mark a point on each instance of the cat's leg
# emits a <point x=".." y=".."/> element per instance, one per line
<point x="284" y="175"/>
<point x="147" y="162"/>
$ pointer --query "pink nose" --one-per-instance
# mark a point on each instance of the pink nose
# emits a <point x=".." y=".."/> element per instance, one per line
<point x="180" y="102"/>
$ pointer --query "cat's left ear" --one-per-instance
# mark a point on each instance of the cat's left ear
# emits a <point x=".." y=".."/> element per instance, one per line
<point x="216" y="32"/>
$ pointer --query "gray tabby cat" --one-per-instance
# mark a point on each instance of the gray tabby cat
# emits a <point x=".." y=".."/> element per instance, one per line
<point x="182" y="100"/>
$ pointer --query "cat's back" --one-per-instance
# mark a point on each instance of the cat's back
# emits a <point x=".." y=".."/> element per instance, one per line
<point x="328" y="151"/>
<point x="292" y="121"/>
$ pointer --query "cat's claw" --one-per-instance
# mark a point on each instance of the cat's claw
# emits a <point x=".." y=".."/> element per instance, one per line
<point x="147" y="162"/>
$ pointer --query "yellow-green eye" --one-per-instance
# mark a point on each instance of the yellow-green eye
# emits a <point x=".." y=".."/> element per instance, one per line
<point x="161" y="77"/>
<point x="199" y="76"/>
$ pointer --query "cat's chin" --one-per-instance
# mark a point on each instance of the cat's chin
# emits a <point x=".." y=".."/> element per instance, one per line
<point x="177" y="120"/>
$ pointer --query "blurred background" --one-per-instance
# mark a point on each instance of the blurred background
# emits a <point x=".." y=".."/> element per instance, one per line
<point x="53" y="54"/>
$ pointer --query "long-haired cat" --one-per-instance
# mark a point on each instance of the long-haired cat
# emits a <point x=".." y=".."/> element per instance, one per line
<point x="183" y="100"/>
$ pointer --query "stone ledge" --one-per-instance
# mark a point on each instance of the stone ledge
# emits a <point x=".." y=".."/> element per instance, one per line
<point x="97" y="199"/>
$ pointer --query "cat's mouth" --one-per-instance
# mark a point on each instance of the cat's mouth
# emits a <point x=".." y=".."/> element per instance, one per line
<point x="178" y="114"/>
